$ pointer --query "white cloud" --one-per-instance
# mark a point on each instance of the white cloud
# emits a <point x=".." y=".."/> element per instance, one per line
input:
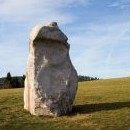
<point x="122" y="4"/>
<point x="38" y="10"/>
<point x="103" y="48"/>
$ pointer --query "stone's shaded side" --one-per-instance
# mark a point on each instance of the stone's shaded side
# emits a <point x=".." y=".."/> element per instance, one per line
<point x="51" y="80"/>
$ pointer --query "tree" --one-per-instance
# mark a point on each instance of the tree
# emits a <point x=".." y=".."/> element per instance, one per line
<point x="23" y="79"/>
<point x="15" y="82"/>
<point x="9" y="77"/>
<point x="86" y="78"/>
<point x="8" y="81"/>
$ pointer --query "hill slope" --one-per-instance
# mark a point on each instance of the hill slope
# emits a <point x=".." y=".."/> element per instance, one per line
<point x="99" y="105"/>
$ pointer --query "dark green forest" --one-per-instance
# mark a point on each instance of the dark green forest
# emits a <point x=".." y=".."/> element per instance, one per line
<point x="12" y="81"/>
<point x="18" y="81"/>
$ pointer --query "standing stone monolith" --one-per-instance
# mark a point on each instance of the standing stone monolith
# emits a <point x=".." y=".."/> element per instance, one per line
<point x="51" y="80"/>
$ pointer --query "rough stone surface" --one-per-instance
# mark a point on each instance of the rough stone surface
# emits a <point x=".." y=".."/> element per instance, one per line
<point x="51" y="80"/>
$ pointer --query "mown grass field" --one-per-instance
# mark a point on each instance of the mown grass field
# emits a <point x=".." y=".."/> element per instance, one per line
<point x="99" y="105"/>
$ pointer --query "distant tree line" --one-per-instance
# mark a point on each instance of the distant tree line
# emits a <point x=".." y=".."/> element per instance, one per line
<point x="18" y="81"/>
<point x="12" y="82"/>
<point x="86" y="78"/>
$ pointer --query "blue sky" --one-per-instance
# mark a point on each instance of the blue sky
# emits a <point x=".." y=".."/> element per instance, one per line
<point x="98" y="32"/>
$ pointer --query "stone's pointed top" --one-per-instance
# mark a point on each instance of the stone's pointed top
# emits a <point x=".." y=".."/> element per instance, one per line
<point x="49" y="31"/>
<point x="53" y="24"/>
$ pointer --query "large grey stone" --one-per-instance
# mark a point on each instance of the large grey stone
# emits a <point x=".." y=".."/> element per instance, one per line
<point x="51" y="80"/>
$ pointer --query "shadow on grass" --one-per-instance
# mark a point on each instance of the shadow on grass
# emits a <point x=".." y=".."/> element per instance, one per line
<point x="90" y="108"/>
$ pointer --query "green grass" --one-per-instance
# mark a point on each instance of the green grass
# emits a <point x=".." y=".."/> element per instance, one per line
<point x="99" y="105"/>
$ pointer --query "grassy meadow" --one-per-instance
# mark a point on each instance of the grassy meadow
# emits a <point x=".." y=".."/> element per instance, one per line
<point x="99" y="105"/>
